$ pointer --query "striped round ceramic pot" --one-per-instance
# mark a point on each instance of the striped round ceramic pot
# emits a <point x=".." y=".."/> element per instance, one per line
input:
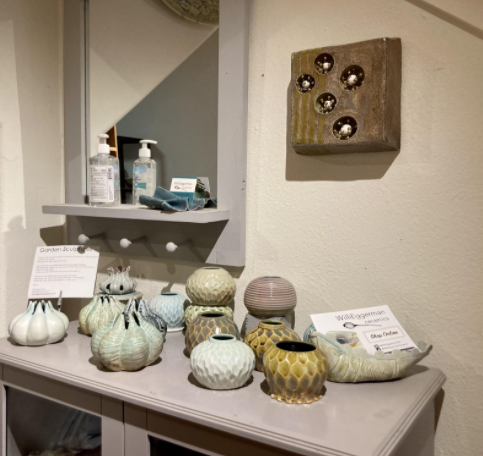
<point x="208" y="324"/>
<point x="102" y="309"/>
<point x="295" y="372"/>
<point x="211" y="286"/>
<point x="170" y="307"/>
<point x="263" y="337"/>
<point x="222" y="362"/>
<point x="270" y="297"/>
<point x="192" y="312"/>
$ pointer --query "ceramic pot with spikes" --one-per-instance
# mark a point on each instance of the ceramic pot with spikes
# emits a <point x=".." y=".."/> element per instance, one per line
<point x="101" y="310"/>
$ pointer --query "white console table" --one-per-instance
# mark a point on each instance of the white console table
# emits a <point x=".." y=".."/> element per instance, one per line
<point x="165" y="402"/>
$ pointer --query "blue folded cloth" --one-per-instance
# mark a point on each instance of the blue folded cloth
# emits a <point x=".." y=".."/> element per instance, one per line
<point x="167" y="201"/>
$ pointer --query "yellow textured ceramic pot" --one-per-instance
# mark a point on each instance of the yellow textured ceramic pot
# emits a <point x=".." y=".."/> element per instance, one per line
<point x="265" y="335"/>
<point x="295" y="372"/>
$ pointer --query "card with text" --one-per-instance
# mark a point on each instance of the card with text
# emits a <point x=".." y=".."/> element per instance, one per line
<point x="376" y="327"/>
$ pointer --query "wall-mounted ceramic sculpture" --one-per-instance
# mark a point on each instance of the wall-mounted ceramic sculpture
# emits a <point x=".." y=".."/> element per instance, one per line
<point x="141" y="306"/>
<point x="127" y="343"/>
<point x="40" y="324"/>
<point x="352" y="364"/>
<point x="208" y="324"/>
<point x="118" y="282"/>
<point x="268" y="333"/>
<point x="295" y="372"/>
<point x="170" y="307"/>
<point x="101" y="310"/>
<point x="347" y="98"/>
<point x="192" y="312"/>
<point x="211" y="286"/>
<point x="270" y="296"/>
<point x="222" y="362"/>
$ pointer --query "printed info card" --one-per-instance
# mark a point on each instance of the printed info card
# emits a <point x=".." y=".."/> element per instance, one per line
<point x="376" y="327"/>
<point x="63" y="268"/>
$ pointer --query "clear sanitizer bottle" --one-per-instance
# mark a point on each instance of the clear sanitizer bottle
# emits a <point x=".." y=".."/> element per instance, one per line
<point x="144" y="173"/>
<point x="104" y="185"/>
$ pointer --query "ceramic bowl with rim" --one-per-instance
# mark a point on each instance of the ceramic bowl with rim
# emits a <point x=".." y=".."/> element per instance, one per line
<point x="170" y="307"/>
<point x="270" y="296"/>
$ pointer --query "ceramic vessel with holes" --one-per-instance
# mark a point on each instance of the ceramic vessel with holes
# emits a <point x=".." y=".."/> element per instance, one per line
<point x="170" y="307"/>
<point x="208" y="324"/>
<point x="211" y="286"/>
<point x="270" y="296"/>
<point x="118" y="282"/>
<point x="263" y="337"/>
<point x="141" y="306"/>
<point x="295" y="372"/>
<point x="127" y="343"/>
<point x="40" y="324"/>
<point x="102" y="309"/>
<point x="192" y="312"/>
<point x="222" y="362"/>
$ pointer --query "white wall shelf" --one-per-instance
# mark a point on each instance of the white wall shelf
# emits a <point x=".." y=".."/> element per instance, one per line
<point x="131" y="212"/>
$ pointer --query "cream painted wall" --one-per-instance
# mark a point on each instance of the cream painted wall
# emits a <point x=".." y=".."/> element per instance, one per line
<point x="31" y="142"/>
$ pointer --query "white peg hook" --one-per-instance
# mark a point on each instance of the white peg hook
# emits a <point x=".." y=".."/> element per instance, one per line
<point x="172" y="247"/>
<point x="82" y="239"/>
<point x="125" y="243"/>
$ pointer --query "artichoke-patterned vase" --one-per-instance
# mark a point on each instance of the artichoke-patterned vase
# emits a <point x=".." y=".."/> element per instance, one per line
<point x="141" y="306"/>
<point x="222" y="362"/>
<point x="295" y="372"/>
<point x="208" y="324"/>
<point x="102" y="309"/>
<point x="127" y="343"/>
<point x="211" y="286"/>
<point x="192" y="312"/>
<point x="118" y="282"/>
<point x="263" y="337"/>
<point x="170" y="307"/>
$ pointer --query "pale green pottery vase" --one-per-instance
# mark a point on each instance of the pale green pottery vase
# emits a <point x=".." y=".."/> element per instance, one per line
<point x="170" y="307"/>
<point x="211" y="286"/>
<point x="102" y="309"/>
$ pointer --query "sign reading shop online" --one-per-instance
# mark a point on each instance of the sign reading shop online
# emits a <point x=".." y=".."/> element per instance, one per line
<point x="376" y="327"/>
<point x="63" y="268"/>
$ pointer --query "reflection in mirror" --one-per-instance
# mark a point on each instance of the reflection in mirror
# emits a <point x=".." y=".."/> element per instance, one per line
<point x="154" y="75"/>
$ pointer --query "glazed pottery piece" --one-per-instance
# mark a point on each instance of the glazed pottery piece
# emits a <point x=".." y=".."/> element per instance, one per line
<point x="295" y="372"/>
<point x="204" y="12"/>
<point x="208" y="324"/>
<point x="222" y="362"/>
<point x="265" y="335"/>
<point x="118" y="282"/>
<point x="141" y="306"/>
<point x="102" y="309"/>
<point x="127" y="343"/>
<point x="192" y="312"/>
<point x="252" y="321"/>
<point x="124" y="299"/>
<point x="211" y="286"/>
<point x="170" y="307"/>
<point x="40" y="324"/>
<point x="307" y="332"/>
<point x="349" y="363"/>
<point x="270" y="297"/>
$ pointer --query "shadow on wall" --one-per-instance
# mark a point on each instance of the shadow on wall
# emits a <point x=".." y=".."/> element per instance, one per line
<point x="343" y="167"/>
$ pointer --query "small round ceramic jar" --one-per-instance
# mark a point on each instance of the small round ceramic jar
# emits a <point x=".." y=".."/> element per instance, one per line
<point x="208" y="324"/>
<point x="295" y="372"/>
<point x="118" y="282"/>
<point x="192" y="312"/>
<point x="270" y="297"/>
<point x="211" y="286"/>
<point x="263" y="337"/>
<point x="222" y="362"/>
<point x="170" y="307"/>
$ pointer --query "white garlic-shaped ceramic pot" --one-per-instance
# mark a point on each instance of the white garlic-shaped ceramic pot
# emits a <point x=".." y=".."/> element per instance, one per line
<point x="192" y="312"/>
<point x="222" y="362"/>
<point x="102" y="309"/>
<point x="40" y="324"/>
<point x="118" y="282"/>
<point x="170" y="307"/>
<point x="127" y="343"/>
<point x="211" y="286"/>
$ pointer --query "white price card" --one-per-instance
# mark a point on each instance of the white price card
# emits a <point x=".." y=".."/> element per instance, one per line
<point x="376" y="328"/>
<point x="65" y="268"/>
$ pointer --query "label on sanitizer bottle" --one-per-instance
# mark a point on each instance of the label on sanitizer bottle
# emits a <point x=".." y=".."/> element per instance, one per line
<point x="102" y="184"/>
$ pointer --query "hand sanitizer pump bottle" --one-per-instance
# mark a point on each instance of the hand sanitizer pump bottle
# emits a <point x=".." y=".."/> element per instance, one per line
<point x="104" y="186"/>
<point x="144" y="173"/>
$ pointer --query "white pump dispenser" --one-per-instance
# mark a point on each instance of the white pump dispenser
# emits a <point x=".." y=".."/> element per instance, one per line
<point x="103" y="147"/>
<point x="144" y="172"/>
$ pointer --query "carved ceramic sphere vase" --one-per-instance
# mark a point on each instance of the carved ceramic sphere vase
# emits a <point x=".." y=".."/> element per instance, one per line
<point x="192" y="312"/>
<point x="208" y="324"/>
<point x="222" y="362"/>
<point x="295" y="372"/>
<point x="263" y="337"/>
<point x="270" y="297"/>
<point x="170" y="307"/>
<point x="102" y="309"/>
<point x="118" y="282"/>
<point x="211" y="286"/>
